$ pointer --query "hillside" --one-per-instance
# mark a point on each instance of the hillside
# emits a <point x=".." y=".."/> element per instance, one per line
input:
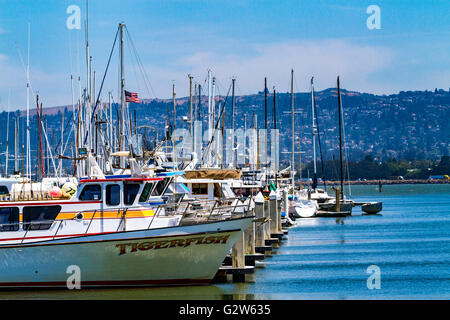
<point x="412" y="125"/>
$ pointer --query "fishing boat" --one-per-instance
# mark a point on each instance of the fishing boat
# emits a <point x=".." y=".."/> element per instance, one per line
<point x="118" y="232"/>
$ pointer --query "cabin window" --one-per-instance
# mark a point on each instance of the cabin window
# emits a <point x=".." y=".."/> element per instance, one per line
<point x="112" y="194"/>
<point x="160" y="187"/>
<point x="4" y="190"/>
<point x="146" y="192"/>
<point x="217" y="190"/>
<point x="91" y="192"/>
<point x="39" y="217"/>
<point x="130" y="192"/>
<point x="9" y="219"/>
<point x="199" y="188"/>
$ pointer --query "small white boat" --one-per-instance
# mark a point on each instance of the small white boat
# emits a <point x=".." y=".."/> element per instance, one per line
<point x="303" y="208"/>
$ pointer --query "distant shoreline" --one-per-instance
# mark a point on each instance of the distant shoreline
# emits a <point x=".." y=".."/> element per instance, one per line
<point x="384" y="182"/>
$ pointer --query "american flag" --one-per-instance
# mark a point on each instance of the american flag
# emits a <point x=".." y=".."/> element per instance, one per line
<point x="131" y="97"/>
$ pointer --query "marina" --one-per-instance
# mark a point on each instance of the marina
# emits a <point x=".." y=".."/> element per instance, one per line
<point x="260" y="184"/>
<point x="323" y="259"/>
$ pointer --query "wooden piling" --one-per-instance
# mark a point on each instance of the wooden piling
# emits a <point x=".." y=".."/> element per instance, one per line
<point x="279" y="209"/>
<point x="249" y="240"/>
<point x="273" y="213"/>
<point x="238" y="259"/>
<point x="267" y="215"/>
<point x="259" y="227"/>
<point x="275" y="218"/>
<point x="338" y="200"/>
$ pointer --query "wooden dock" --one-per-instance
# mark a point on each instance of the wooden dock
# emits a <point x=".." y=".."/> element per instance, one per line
<point x="260" y="241"/>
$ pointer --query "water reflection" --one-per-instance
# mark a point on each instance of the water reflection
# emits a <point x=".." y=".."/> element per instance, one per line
<point x="158" y="293"/>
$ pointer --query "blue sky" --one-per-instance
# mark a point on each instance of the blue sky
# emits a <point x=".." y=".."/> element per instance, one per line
<point x="246" y="39"/>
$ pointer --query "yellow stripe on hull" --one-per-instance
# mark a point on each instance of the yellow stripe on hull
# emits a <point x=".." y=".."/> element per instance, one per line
<point x="115" y="214"/>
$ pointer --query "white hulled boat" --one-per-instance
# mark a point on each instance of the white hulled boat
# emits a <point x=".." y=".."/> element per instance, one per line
<point x="118" y="232"/>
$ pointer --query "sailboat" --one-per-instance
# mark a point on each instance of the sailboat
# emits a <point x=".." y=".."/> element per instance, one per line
<point x="345" y="205"/>
<point x="317" y="194"/>
<point x="298" y="207"/>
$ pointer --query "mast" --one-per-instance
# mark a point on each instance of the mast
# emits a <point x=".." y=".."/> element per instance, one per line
<point x="293" y="136"/>
<point x="199" y="102"/>
<point x="28" y="156"/>
<point x="340" y="139"/>
<point x="74" y="130"/>
<point x="233" y="80"/>
<point x="265" y="124"/>
<point x="314" y="186"/>
<point x="275" y="136"/>
<point x="122" y="97"/>
<point x="174" y="126"/>
<point x="209" y="105"/>
<point x="16" y="144"/>
<point x="62" y="143"/>
<point x="7" y="137"/>
<point x="191" y="114"/>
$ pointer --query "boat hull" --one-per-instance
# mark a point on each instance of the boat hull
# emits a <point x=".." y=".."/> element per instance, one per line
<point x="372" y="208"/>
<point x="173" y="256"/>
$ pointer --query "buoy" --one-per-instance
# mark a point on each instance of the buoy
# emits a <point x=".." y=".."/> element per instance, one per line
<point x="68" y="189"/>
<point x="55" y="192"/>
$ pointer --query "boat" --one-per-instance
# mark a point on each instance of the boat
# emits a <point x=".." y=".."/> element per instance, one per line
<point x="345" y="206"/>
<point x="286" y="221"/>
<point x="118" y="232"/>
<point x="372" y="207"/>
<point x="303" y="208"/>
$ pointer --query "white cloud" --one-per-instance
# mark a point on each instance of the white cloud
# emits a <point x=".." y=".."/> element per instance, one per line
<point x="324" y="60"/>
<point x="53" y="88"/>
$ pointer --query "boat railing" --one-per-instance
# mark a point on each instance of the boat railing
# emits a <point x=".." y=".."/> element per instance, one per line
<point x="216" y="212"/>
<point x="188" y="210"/>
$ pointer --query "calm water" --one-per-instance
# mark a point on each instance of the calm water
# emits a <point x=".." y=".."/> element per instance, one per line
<point x="322" y="259"/>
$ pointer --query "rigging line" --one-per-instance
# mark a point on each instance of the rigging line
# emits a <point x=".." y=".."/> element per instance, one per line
<point x="134" y="68"/>
<point x="140" y="64"/>
<point x="68" y="136"/>
<point x="64" y="148"/>
<point x="216" y="126"/>
<point x="101" y="87"/>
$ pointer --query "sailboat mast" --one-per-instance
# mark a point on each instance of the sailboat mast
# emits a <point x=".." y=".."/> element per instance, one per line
<point x="191" y="119"/>
<point x="174" y="125"/>
<point x="62" y="143"/>
<point x="340" y="139"/>
<point x="16" y="144"/>
<point x="313" y="134"/>
<point x="7" y="138"/>
<point x="233" y="80"/>
<point x="293" y="129"/>
<point x="28" y="156"/>
<point x="122" y="97"/>
<point x="275" y="136"/>
<point x="265" y="125"/>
